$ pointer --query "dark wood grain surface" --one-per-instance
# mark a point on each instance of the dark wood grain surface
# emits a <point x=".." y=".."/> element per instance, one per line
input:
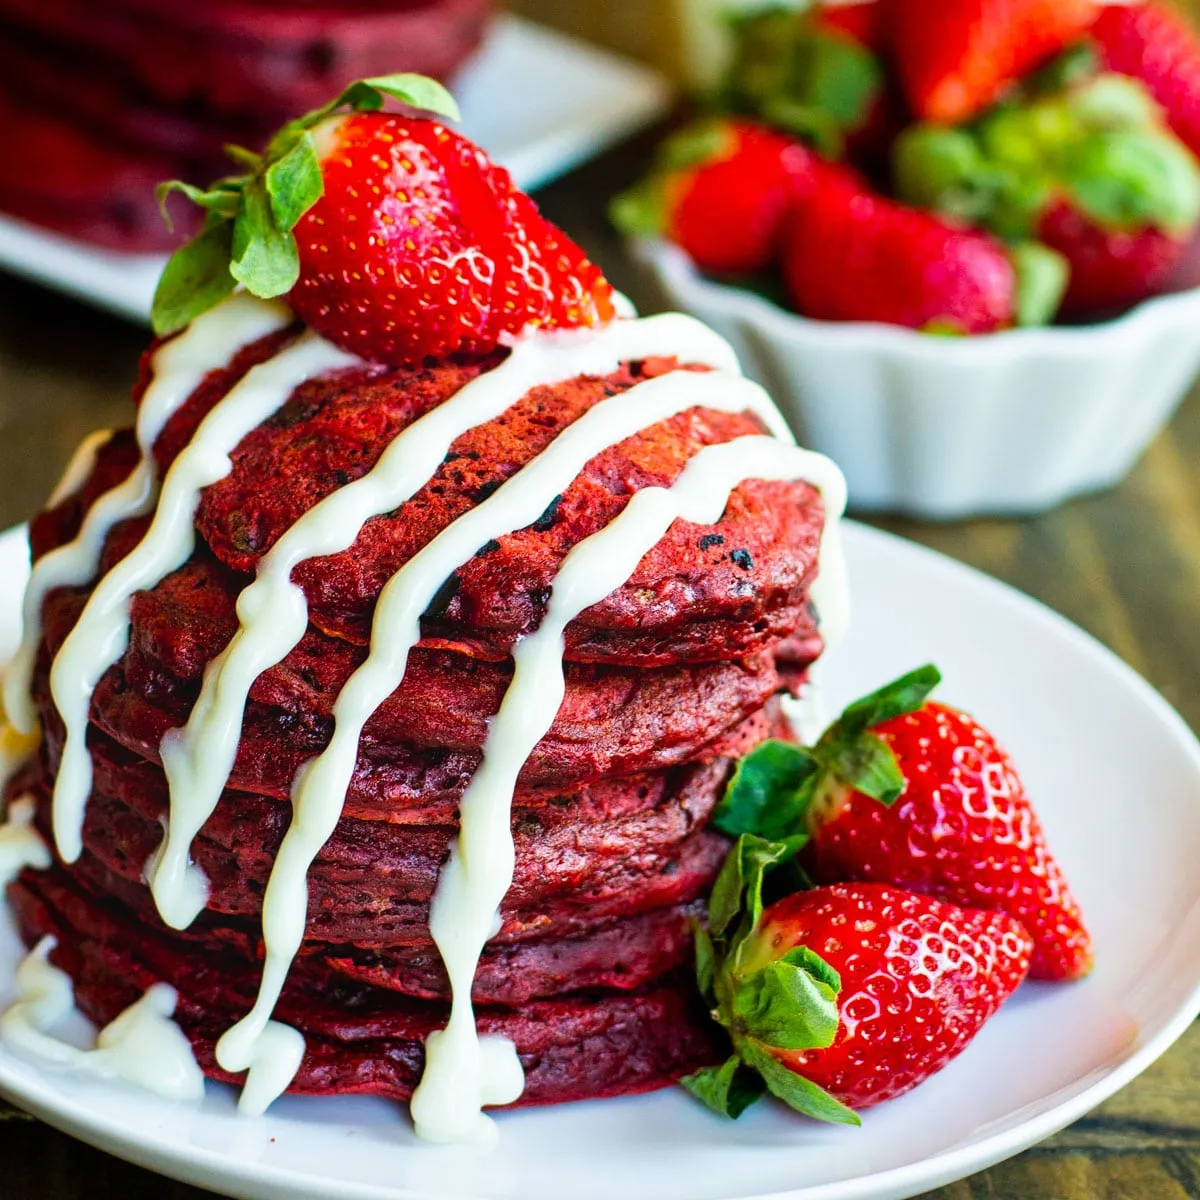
<point x="1125" y="565"/>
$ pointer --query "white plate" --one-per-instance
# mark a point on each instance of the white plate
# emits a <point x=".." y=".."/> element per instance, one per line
<point x="1116" y="775"/>
<point x="538" y="101"/>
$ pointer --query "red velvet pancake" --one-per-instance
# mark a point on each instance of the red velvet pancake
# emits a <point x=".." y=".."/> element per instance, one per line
<point x="362" y="1039"/>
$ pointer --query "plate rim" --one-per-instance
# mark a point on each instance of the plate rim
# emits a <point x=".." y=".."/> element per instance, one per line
<point x="207" y="1168"/>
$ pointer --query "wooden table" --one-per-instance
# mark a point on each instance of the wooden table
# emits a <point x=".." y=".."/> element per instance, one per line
<point x="1126" y="566"/>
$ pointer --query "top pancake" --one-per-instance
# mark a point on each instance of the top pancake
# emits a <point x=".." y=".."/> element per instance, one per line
<point x="703" y="594"/>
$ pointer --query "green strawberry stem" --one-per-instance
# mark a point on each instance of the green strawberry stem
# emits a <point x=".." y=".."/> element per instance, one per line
<point x="814" y="83"/>
<point x="1101" y="145"/>
<point x="247" y="234"/>
<point x="765" y="1004"/>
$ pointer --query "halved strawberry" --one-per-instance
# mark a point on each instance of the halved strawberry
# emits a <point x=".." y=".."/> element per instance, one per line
<point x="722" y="191"/>
<point x="392" y="236"/>
<point x="955" y="57"/>
<point x="842" y="997"/>
<point x="1150" y="42"/>
<point x="916" y="794"/>
<point x="1090" y="170"/>
<point x="854" y="255"/>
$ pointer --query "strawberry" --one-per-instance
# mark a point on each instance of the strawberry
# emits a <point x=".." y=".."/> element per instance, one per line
<point x="1110" y="269"/>
<point x="863" y="20"/>
<point x="1151" y="43"/>
<point x="955" y="57"/>
<point x="722" y="191"/>
<point x="392" y="236"/>
<point x="854" y="255"/>
<point x="916" y="794"/>
<point x="843" y="997"/>
<point x="1089" y="169"/>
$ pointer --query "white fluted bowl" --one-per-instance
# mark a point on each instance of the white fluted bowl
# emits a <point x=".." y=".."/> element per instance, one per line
<point x="938" y="427"/>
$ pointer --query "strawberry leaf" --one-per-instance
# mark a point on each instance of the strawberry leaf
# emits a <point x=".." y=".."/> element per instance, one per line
<point x="767" y="795"/>
<point x="706" y="959"/>
<point x="785" y="1005"/>
<point x="700" y="142"/>
<point x="904" y="695"/>
<point x="415" y="91"/>
<point x="796" y="1091"/>
<point x="195" y="279"/>
<point x="294" y="183"/>
<point x="641" y="211"/>
<point x="223" y="198"/>
<point x="858" y="758"/>
<point x="1128" y="179"/>
<point x="729" y="1089"/>
<point x="815" y="965"/>
<point x="1042" y="277"/>
<point x="263" y="257"/>
<point x="737" y="891"/>
<point x="815" y="83"/>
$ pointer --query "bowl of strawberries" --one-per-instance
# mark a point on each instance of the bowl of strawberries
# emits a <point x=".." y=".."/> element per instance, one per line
<point x="957" y="239"/>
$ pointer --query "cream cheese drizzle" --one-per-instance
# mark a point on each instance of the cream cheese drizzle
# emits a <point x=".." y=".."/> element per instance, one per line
<point x="101" y="634"/>
<point x="273" y="611"/>
<point x="143" y="1047"/>
<point x="179" y="366"/>
<point x="21" y="845"/>
<point x="461" y="1076"/>
<point x="321" y="784"/>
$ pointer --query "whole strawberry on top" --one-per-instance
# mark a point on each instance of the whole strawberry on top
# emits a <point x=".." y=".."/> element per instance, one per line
<point x="917" y="794"/>
<point x="390" y="235"/>
<point x="843" y="997"/>
<point x="1089" y="168"/>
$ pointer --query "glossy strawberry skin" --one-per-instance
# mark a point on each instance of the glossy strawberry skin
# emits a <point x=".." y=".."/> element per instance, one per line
<point x="1149" y="42"/>
<point x="919" y="978"/>
<point x="729" y="213"/>
<point x="963" y="829"/>
<point x="420" y="247"/>
<point x="1110" y="269"/>
<point x="865" y="22"/>
<point x="853" y="255"/>
<point x="955" y="57"/>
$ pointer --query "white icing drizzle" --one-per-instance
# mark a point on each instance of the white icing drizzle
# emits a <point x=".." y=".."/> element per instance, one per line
<point x="459" y="1079"/>
<point x="101" y="634"/>
<point x="179" y="366"/>
<point x="320" y="786"/>
<point x="21" y="845"/>
<point x="273" y="611"/>
<point x="142" y="1047"/>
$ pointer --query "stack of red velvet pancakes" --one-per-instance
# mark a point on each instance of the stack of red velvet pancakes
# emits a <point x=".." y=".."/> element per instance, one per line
<point x="667" y="680"/>
<point x="99" y="102"/>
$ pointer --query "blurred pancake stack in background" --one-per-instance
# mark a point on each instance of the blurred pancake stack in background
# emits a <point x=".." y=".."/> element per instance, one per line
<point x="99" y="102"/>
